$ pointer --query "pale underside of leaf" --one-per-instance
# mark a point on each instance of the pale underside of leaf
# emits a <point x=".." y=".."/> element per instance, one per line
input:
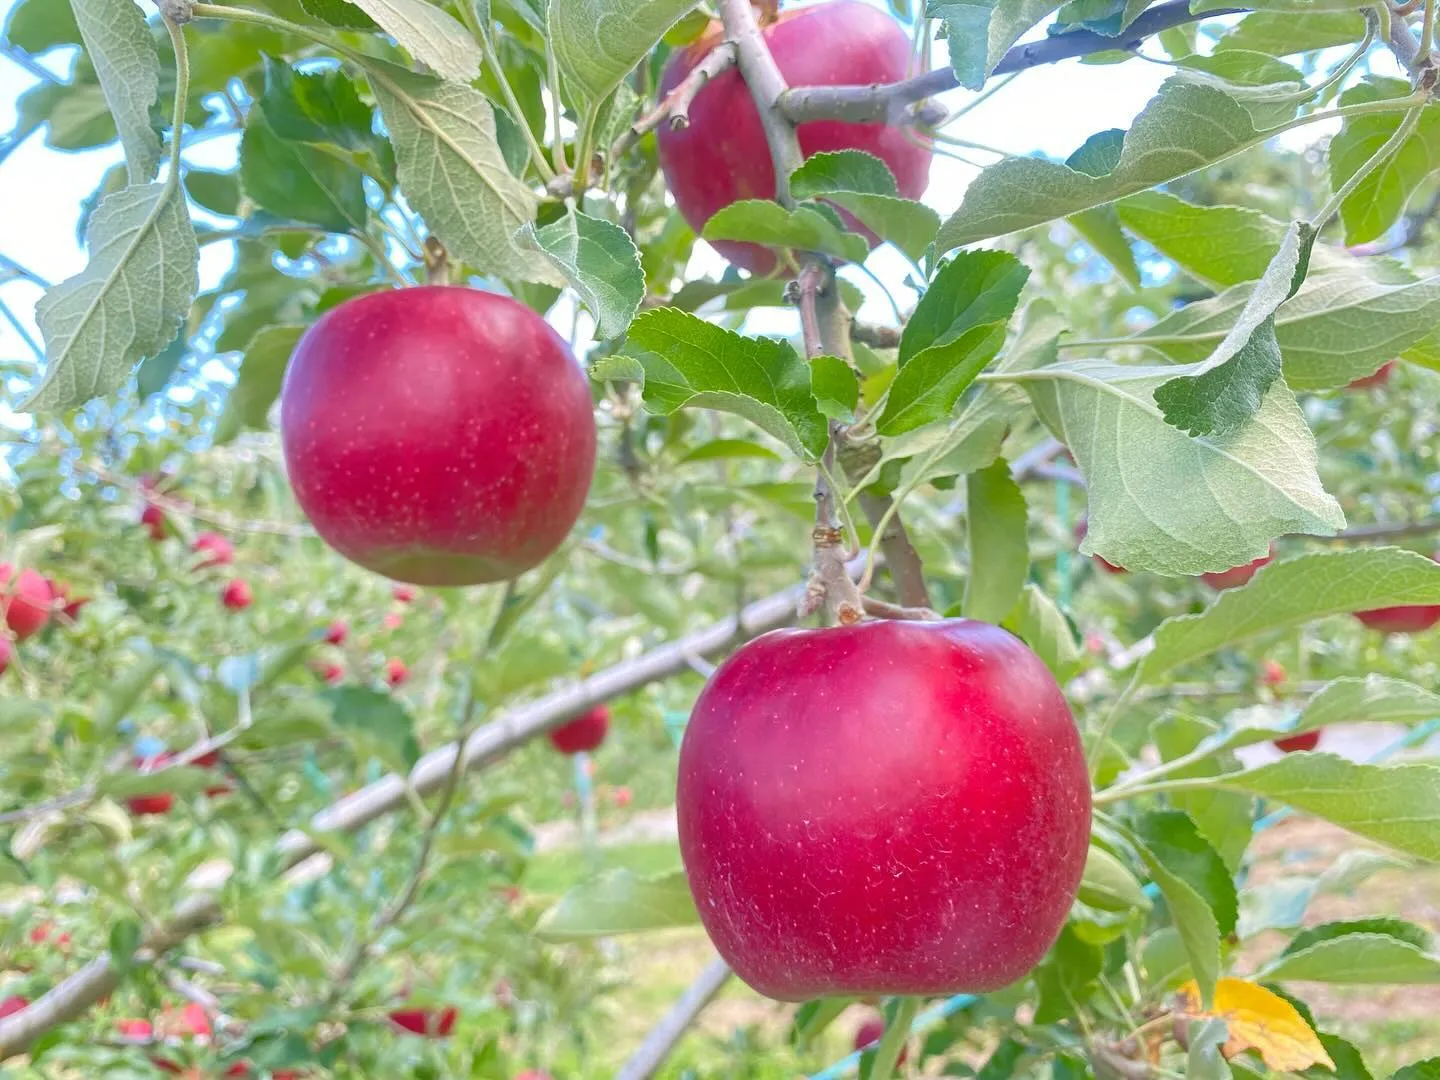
<point x="430" y="34"/>
<point x="120" y="45"/>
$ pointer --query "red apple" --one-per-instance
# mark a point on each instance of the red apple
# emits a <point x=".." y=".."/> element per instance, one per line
<point x="1404" y="618"/>
<point x="1082" y="530"/>
<point x="582" y="734"/>
<point x="135" y="1029"/>
<point x="7" y="653"/>
<point x="337" y="633"/>
<point x="159" y="802"/>
<point x="237" y="595"/>
<point x="1379" y="378"/>
<point x="25" y="601"/>
<point x="12" y="1005"/>
<point x="403" y="593"/>
<point x="333" y="674"/>
<point x="885" y="808"/>
<point x="441" y="436"/>
<point x="425" y="1021"/>
<point x="722" y="156"/>
<point x="1306" y="740"/>
<point x="217" y="550"/>
<point x="396" y="673"/>
<point x="1236" y="575"/>
<point x="1271" y="673"/>
<point x="41" y="934"/>
<point x="869" y="1034"/>
<point x="623" y="797"/>
<point x="532" y="1074"/>
<point x="392" y="620"/>
<point x="153" y="518"/>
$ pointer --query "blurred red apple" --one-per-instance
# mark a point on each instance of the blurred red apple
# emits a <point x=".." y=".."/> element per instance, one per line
<point x="1271" y="673"/>
<point x="159" y="802"/>
<point x="1082" y="530"/>
<point x="623" y="797"/>
<point x="392" y="620"/>
<point x="25" y="601"/>
<point x="432" y="1022"/>
<point x="396" y="673"/>
<point x="7" y="653"/>
<point x="869" y="1034"/>
<point x="582" y="734"/>
<point x="1379" y="378"/>
<point x="135" y="1029"/>
<point x="331" y="673"/>
<point x="217" y="550"/>
<point x="337" y="633"/>
<point x="438" y="435"/>
<point x="721" y="156"/>
<point x="237" y="596"/>
<point x="403" y="593"/>
<point x="1236" y="575"/>
<point x="12" y="1005"/>
<point x="1307" y="740"/>
<point x="153" y="518"/>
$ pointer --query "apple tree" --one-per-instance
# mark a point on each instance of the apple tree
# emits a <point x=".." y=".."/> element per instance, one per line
<point x="504" y="372"/>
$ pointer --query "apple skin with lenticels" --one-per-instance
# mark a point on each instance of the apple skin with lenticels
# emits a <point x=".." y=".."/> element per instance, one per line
<point x="884" y="808"/>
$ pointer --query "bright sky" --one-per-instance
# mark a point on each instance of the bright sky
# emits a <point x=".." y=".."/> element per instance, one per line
<point x="1049" y="110"/>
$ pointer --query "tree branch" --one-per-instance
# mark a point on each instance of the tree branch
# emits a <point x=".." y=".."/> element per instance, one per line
<point x="646" y="1061"/>
<point x="485" y="746"/>
<point x="675" y="108"/>
<point x="767" y="86"/>
<point x="893" y="103"/>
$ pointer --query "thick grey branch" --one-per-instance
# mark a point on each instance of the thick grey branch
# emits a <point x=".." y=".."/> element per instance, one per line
<point x="893" y="104"/>
<point x="767" y="86"/>
<point x="646" y="1061"/>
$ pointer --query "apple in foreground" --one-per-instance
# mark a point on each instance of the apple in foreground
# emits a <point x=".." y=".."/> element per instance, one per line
<point x="438" y="435"/>
<point x="722" y="157"/>
<point x="885" y="808"/>
<point x="1306" y="740"/>
<point x="1236" y="575"/>
<point x="583" y="734"/>
<point x="25" y="601"/>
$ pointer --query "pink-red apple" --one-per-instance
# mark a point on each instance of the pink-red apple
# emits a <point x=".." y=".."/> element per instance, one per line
<point x="1272" y="674"/>
<point x="236" y="595"/>
<point x="433" y="1022"/>
<point x="885" y="808"/>
<point x="583" y="734"/>
<point x="438" y="435"/>
<point x="217" y="550"/>
<point x="333" y="674"/>
<point x="153" y="518"/>
<point x="721" y="157"/>
<point x="337" y="632"/>
<point x="392" y="620"/>
<point x="1236" y="575"/>
<point x="12" y="1005"/>
<point x="1403" y="618"/>
<point x="1378" y="378"/>
<point x="404" y="594"/>
<point x="870" y="1033"/>
<point x="1306" y="740"/>
<point x="25" y="601"/>
<point x="7" y="653"/>
<point x="1082" y="530"/>
<point x="396" y="673"/>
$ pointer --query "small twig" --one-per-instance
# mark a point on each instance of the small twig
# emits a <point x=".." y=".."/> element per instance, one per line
<point x="181" y="508"/>
<point x="23" y="59"/>
<point x="1385" y="532"/>
<point x="767" y="87"/>
<point x="883" y="609"/>
<point x="675" y="107"/>
<point x="876" y="336"/>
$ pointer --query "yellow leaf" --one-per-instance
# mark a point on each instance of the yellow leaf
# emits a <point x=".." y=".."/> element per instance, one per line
<point x="1259" y="1020"/>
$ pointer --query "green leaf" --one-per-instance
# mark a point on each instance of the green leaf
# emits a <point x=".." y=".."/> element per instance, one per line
<point x="1364" y="952"/>
<point x="1282" y="34"/>
<point x="1291" y="592"/>
<point x="1373" y="698"/>
<point x="721" y="449"/>
<point x="980" y="32"/>
<point x="1340" y="326"/>
<point x="1380" y="199"/>
<point x="258" y="383"/>
<point x="120" y="45"/>
<point x="341" y="13"/>
<point x="1224" y="818"/>
<point x="38" y="25"/>
<point x="429" y="34"/>
<point x="973" y="288"/>
<point x="1036" y="621"/>
<point x="1100" y="228"/>
<point x="1109" y="885"/>
<point x="124" y="939"/>
<point x="1429" y="1069"/>
<point x="1198" y="882"/>
<point x="1184" y="128"/>
<point x="928" y="386"/>
<point x="1227" y="388"/>
<point x="598" y="42"/>
<point x="379" y="719"/>
<point x="806" y="228"/>
<point x="454" y="174"/>
<point x="296" y="181"/>
<point x="1162" y="501"/>
<point x="995" y="517"/>
<point x="905" y="223"/>
<point x="128" y="301"/>
<point x="842" y="170"/>
<point x="836" y="387"/>
<point x="1268" y="89"/>
<point x="601" y="263"/>
<point x="216" y="191"/>
<point x="1065" y="976"/>
<point x="1203" y="1059"/>
<point x="1397" y="805"/>
<point x="620" y="902"/>
<point x="319" y="107"/>
<point x="689" y="362"/>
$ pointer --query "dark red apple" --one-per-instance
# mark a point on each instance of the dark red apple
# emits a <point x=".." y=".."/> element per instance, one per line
<point x="1236" y="575"/>
<point x="1272" y="674"/>
<point x="441" y="436"/>
<point x="217" y="550"/>
<point x="25" y="601"/>
<point x="869" y="1034"/>
<point x="433" y="1022"/>
<point x="153" y="518"/>
<point x="396" y="673"/>
<point x="722" y="156"/>
<point x="584" y="733"/>
<point x="885" y="808"/>
<point x="159" y="802"/>
<point x="12" y="1005"/>
<point x="1082" y="530"/>
<point x="1306" y="740"/>
<point x="1404" y="618"/>
<point x="337" y="633"/>
<point x="1378" y="378"/>
<point x="403" y="593"/>
<point x="333" y="674"/>
<point x="237" y="595"/>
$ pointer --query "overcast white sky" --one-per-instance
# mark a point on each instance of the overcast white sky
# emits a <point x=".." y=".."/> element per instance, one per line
<point x="1048" y="110"/>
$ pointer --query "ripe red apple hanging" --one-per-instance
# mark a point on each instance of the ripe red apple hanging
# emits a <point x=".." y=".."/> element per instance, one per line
<point x="722" y="157"/>
<point x="886" y="808"/>
<point x="437" y="435"/>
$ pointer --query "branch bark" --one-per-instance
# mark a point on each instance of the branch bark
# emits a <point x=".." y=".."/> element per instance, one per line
<point x="661" y="1041"/>
<point x="893" y="103"/>
<point x="485" y="746"/>
<point x="674" y="109"/>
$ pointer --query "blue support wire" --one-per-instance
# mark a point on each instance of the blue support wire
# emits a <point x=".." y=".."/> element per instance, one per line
<point x="937" y="1014"/>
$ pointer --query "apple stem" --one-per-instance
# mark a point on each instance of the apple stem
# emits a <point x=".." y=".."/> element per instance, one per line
<point x="897" y="1033"/>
